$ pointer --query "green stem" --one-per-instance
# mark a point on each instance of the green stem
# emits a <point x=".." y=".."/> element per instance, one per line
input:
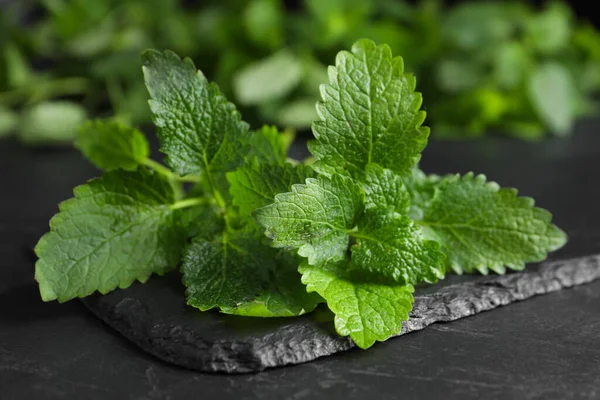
<point x="189" y="178"/>
<point x="213" y="188"/>
<point x="161" y="169"/>
<point x="191" y="202"/>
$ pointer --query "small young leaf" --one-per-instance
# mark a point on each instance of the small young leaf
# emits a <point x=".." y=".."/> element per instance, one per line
<point x="385" y="189"/>
<point x="269" y="146"/>
<point x="315" y="218"/>
<point x="117" y="229"/>
<point x="230" y="269"/>
<point x="421" y="188"/>
<point x="198" y="128"/>
<point x="111" y="145"/>
<point x="370" y="114"/>
<point x="367" y="311"/>
<point x="483" y="227"/>
<point x="204" y="221"/>
<point x="255" y="185"/>
<point x="285" y="295"/>
<point x="390" y="245"/>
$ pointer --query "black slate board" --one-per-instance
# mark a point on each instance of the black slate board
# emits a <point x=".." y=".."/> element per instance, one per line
<point x="154" y="316"/>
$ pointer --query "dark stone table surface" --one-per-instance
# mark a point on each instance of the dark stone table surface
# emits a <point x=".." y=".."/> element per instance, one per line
<point x="547" y="347"/>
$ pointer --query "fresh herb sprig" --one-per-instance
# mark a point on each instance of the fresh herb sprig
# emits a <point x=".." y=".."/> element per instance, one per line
<point x="356" y="229"/>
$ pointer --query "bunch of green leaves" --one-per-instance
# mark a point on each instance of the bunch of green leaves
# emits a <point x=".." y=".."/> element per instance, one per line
<point x="137" y="219"/>
<point x="510" y="68"/>
<point x="488" y="66"/>
<point x="357" y="229"/>
<point x="485" y="66"/>
<point x="61" y="60"/>
<point x="26" y="95"/>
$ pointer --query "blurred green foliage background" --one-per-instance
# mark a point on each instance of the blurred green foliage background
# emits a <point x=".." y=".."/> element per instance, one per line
<point x="504" y="67"/>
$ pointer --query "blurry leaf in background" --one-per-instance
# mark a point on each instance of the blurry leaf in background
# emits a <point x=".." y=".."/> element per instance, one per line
<point x="338" y="18"/>
<point x="474" y="61"/>
<point x="8" y="121"/>
<point x="553" y="95"/>
<point x="511" y="64"/>
<point x="297" y="114"/>
<point x="51" y="122"/>
<point x="110" y="145"/>
<point x="475" y="25"/>
<point x="550" y="30"/>
<point x="455" y="76"/>
<point x="269" y="79"/>
<point x="18" y="72"/>
<point x="263" y="20"/>
<point x="314" y="75"/>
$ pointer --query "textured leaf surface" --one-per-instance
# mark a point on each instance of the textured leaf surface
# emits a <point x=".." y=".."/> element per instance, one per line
<point x="385" y="189"/>
<point x="421" y="188"/>
<point x="117" y="229"/>
<point x="198" y="128"/>
<point x="255" y="185"/>
<point x="111" y="145"/>
<point x="390" y="245"/>
<point x="370" y="113"/>
<point x="269" y="146"/>
<point x="483" y="227"/>
<point x="284" y="296"/>
<point x="315" y="217"/>
<point x="366" y="311"/>
<point x="224" y="272"/>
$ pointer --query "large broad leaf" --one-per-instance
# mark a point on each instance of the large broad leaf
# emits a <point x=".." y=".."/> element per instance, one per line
<point x="198" y="128"/>
<point x="117" y="229"/>
<point x="367" y="311"/>
<point x="370" y="114"/>
<point x="483" y="227"/>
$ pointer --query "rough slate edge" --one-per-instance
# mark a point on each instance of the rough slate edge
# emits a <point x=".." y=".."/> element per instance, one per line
<point x="304" y="342"/>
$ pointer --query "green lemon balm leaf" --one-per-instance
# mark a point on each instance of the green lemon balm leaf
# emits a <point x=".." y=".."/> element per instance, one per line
<point x="111" y="145"/>
<point x="421" y="188"/>
<point x="481" y="226"/>
<point x="269" y="146"/>
<point x="226" y="271"/>
<point x="117" y="229"/>
<point x="370" y="113"/>
<point x="198" y="128"/>
<point x="366" y="311"/>
<point x="255" y="185"/>
<point x="284" y="296"/>
<point x="315" y="218"/>
<point x="392" y="245"/>
<point x="385" y="189"/>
